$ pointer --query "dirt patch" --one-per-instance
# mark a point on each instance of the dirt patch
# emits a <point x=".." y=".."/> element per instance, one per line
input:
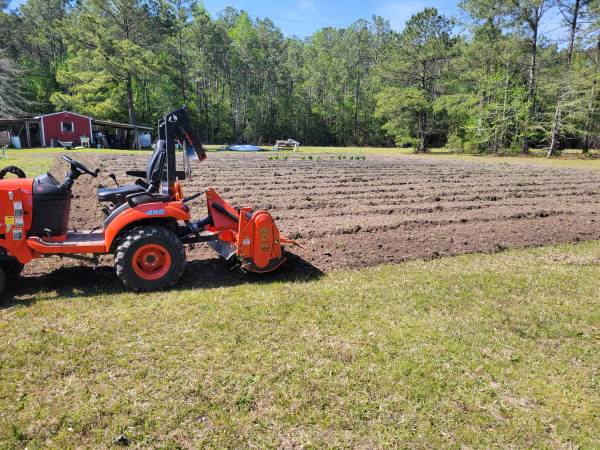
<point x="350" y="213"/>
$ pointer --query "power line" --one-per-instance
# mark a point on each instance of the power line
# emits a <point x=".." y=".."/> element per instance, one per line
<point x="409" y="5"/>
<point x="284" y="19"/>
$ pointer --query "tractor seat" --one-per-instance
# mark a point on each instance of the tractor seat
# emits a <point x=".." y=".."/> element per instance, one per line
<point x="152" y="178"/>
<point x="118" y="194"/>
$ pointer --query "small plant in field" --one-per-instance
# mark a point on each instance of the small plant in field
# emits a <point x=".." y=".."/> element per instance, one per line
<point x="310" y="157"/>
<point x="303" y="158"/>
<point x="285" y="158"/>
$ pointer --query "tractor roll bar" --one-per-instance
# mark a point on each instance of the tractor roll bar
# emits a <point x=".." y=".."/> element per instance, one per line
<point x="173" y="126"/>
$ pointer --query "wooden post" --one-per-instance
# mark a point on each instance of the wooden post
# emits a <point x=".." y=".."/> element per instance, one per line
<point x="28" y="134"/>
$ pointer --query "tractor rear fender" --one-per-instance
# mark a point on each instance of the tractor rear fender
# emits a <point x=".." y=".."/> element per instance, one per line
<point x="146" y="214"/>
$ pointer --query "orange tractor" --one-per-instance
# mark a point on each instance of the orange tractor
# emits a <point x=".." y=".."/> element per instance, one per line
<point x="147" y="223"/>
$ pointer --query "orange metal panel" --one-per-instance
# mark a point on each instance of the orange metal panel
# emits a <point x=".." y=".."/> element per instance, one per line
<point x="72" y="242"/>
<point x="148" y="211"/>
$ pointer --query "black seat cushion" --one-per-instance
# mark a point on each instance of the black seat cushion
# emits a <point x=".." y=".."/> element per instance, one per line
<point x="113" y="194"/>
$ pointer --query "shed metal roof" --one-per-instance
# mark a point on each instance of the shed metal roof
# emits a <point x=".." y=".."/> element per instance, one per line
<point x="18" y="121"/>
<point x="125" y="126"/>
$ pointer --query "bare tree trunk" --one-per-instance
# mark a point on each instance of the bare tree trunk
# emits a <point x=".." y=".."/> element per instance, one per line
<point x="356" y="101"/>
<point x="422" y="132"/>
<point x="533" y="18"/>
<point x="130" y="105"/>
<point x="562" y="89"/>
<point x="593" y="94"/>
<point x="503" y="118"/>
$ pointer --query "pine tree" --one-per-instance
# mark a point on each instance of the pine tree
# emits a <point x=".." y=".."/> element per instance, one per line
<point x="112" y="43"/>
<point x="416" y="61"/>
<point x="528" y="14"/>
<point x="571" y="11"/>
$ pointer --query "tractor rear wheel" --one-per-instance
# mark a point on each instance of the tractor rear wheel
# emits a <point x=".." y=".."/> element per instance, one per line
<point x="12" y="268"/>
<point x="2" y="281"/>
<point x="149" y="258"/>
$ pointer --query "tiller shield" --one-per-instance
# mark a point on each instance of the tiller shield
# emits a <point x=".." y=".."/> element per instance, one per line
<point x="250" y="237"/>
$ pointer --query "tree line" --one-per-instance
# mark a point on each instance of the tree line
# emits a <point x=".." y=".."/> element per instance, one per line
<point x="494" y="82"/>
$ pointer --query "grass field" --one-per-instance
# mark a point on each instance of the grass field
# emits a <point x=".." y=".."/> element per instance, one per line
<point x="38" y="160"/>
<point x="478" y="351"/>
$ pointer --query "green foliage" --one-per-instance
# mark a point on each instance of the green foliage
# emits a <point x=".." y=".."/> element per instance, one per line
<point x="109" y="52"/>
<point x="494" y="88"/>
<point x="12" y="101"/>
<point x="91" y="92"/>
<point x="455" y="143"/>
<point x="416" y="63"/>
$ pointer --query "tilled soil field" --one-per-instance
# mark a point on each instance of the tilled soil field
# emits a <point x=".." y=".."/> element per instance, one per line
<point x="349" y="213"/>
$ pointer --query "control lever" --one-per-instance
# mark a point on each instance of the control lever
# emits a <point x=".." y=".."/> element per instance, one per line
<point x="193" y="197"/>
<point x="113" y="177"/>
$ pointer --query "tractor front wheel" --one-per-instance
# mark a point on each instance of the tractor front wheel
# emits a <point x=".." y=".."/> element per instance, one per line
<point x="150" y="258"/>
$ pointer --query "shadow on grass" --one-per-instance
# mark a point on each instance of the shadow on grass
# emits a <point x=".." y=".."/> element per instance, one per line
<point x="84" y="281"/>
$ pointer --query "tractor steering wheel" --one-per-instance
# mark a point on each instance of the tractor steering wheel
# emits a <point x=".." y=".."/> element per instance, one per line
<point x="80" y="167"/>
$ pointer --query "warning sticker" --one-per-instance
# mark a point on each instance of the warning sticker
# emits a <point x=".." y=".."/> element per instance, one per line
<point x="9" y="220"/>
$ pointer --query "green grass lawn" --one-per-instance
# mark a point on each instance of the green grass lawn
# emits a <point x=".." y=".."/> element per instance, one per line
<point x="481" y="351"/>
<point x="570" y="159"/>
<point x="39" y="160"/>
<point x="34" y="161"/>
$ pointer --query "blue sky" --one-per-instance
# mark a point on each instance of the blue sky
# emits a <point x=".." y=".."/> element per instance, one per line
<point x="303" y="17"/>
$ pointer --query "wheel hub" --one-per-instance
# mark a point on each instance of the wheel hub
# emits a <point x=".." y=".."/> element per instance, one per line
<point x="151" y="262"/>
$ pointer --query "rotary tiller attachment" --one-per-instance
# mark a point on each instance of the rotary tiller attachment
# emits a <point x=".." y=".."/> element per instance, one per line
<point x="250" y="239"/>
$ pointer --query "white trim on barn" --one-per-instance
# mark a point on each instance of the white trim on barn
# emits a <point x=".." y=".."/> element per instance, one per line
<point x="62" y="112"/>
<point x="43" y="134"/>
<point x="71" y="127"/>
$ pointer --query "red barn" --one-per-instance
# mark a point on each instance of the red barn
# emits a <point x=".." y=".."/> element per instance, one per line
<point x="66" y="127"/>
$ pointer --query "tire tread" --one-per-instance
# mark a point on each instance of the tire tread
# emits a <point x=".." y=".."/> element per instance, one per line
<point x="153" y="232"/>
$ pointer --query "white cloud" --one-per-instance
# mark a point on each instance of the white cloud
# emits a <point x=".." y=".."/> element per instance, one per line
<point x="307" y="5"/>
